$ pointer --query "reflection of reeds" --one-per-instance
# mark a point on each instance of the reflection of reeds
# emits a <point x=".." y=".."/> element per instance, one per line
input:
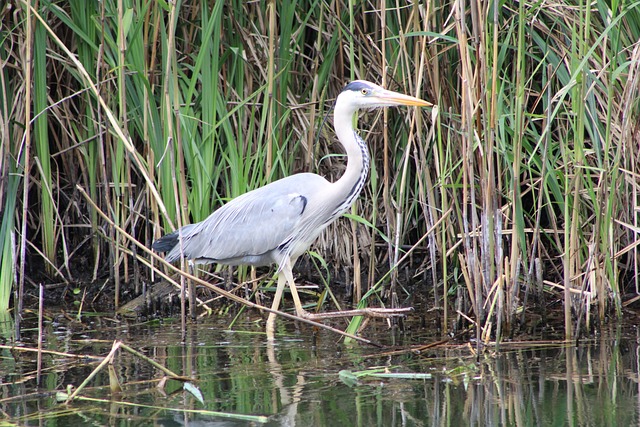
<point x="527" y="383"/>
<point x="306" y="380"/>
<point x="525" y="175"/>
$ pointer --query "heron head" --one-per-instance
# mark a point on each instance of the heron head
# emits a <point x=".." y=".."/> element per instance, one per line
<point x="361" y="94"/>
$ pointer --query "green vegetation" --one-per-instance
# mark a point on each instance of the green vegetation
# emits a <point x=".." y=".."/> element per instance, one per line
<point x="519" y="189"/>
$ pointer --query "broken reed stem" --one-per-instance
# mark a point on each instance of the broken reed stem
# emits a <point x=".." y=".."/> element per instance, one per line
<point x="40" y="334"/>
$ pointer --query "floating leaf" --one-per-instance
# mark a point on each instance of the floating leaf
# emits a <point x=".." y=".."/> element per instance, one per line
<point x="348" y="377"/>
<point x="194" y="390"/>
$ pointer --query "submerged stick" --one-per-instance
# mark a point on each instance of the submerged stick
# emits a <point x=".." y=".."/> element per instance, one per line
<point x="54" y="353"/>
<point x="252" y="418"/>
<point x="369" y="312"/>
<point x="108" y="358"/>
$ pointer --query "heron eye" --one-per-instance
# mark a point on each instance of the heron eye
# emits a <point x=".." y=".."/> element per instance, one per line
<point x="364" y="91"/>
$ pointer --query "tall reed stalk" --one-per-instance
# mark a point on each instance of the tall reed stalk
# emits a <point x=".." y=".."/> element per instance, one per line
<point x="9" y="181"/>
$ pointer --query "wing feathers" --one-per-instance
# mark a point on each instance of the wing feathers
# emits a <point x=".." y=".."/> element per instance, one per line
<point x="250" y="227"/>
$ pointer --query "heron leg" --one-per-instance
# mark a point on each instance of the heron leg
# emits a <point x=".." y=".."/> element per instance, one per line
<point x="285" y="275"/>
<point x="271" y="320"/>
<point x="288" y="273"/>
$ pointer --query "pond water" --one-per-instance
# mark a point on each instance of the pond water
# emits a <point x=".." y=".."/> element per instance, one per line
<point x="310" y="378"/>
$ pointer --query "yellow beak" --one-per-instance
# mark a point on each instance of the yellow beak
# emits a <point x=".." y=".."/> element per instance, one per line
<point x="401" y="99"/>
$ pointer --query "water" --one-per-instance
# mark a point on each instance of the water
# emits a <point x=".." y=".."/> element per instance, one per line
<point x="309" y="378"/>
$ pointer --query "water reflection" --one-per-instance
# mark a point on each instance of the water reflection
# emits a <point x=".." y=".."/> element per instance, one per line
<point x="295" y="381"/>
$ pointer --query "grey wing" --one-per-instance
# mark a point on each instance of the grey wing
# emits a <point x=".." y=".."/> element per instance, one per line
<point x="247" y="229"/>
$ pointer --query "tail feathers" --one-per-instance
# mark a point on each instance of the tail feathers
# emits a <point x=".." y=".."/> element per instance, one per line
<point x="166" y="242"/>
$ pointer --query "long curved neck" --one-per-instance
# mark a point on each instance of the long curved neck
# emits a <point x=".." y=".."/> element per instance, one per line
<point x="348" y="187"/>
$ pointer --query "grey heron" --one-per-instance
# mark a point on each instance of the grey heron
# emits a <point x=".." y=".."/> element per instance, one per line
<point x="278" y="222"/>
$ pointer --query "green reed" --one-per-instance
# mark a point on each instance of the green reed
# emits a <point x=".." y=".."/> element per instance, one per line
<point x="41" y="143"/>
<point x="9" y="182"/>
<point x="82" y="14"/>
